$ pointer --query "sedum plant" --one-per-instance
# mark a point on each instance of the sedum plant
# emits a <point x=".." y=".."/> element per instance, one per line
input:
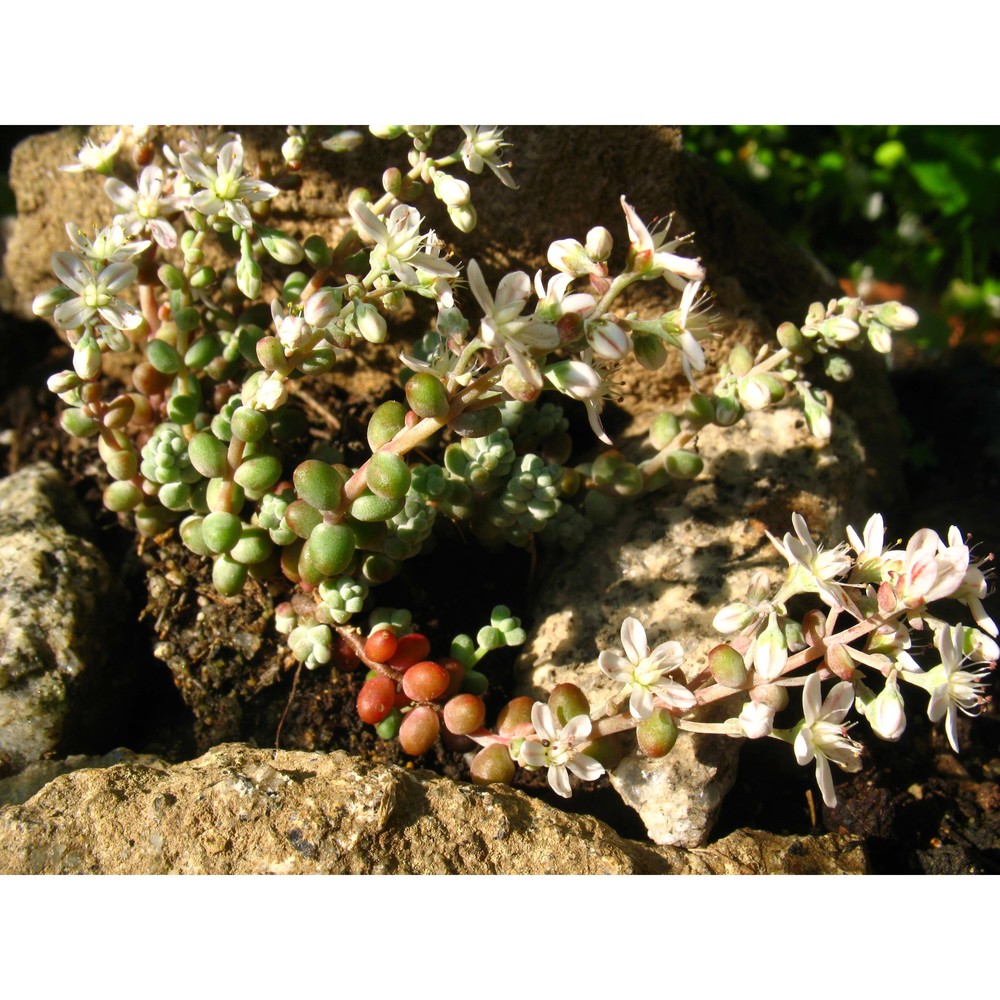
<point x="209" y="439"/>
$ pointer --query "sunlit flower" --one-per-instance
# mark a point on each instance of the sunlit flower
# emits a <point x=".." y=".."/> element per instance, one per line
<point x="225" y="189"/>
<point x="951" y="687"/>
<point x="653" y="253"/>
<point x="973" y="587"/>
<point x="97" y="157"/>
<point x="504" y="328"/>
<point x="557" y="749"/>
<point x="482" y="146"/>
<point x="822" y="737"/>
<point x="109" y="246"/>
<point x="399" y="244"/>
<point x="642" y="673"/>
<point x="96" y="293"/>
<point x="820" y="568"/>
<point x="145" y="207"/>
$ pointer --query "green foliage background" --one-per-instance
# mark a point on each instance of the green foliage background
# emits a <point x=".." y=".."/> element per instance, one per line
<point x="915" y="204"/>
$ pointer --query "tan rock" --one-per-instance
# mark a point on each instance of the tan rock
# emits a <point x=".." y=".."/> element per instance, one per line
<point x="241" y="810"/>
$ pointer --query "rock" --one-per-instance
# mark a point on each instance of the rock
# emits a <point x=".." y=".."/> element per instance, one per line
<point x="20" y="787"/>
<point x="240" y="810"/>
<point x="673" y="561"/>
<point x="58" y="604"/>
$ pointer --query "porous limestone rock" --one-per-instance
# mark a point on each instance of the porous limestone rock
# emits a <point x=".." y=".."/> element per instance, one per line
<point x="672" y="561"/>
<point x="58" y="604"/>
<point x="241" y="810"/>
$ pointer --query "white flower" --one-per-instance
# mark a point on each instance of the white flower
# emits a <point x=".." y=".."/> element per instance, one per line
<point x="96" y="294"/>
<point x="293" y="331"/>
<point x="111" y="245"/>
<point x="929" y="571"/>
<point x="503" y="327"/>
<point x="688" y="324"/>
<point x="654" y="254"/>
<point x="973" y="588"/>
<point x="100" y="158"/>
<point x="225" y="189"/>
<point x="145" y="207"/>
<point x="483" y="146"/>
<point x="555" y="299"/>
<point x="585" y="380"/>
<point x="951" y="687"/>
<point x="642" y="672"/>
<point x="821" y="568"/>
<point x="822" y="737"/>
<point x="399" y="245"/>
<point x="557" y="750"/>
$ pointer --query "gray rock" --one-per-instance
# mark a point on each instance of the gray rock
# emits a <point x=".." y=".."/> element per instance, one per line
<point x="58" y="605"/>
<point x="673" y="561"/>
<point x="239" y="810"/>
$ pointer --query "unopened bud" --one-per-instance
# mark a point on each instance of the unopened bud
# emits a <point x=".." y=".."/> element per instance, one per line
<point x="371" y="325"/>
<point x="322" y="308"/>
<point x="756" y="720"/>
<point x="887" y="713"/>
<point x="608" y="339"/>
<point x="293" y="149"/>
<point x="463" y="217"/>
<point x="897" y="316"/>
<point x="280" y="246"/>
<point x="599" y="244"/>
<point x="87" y="357"/>
<point x="570" y="257"/>
<point x="343" y="142"/>
<point x="453" y="192"/>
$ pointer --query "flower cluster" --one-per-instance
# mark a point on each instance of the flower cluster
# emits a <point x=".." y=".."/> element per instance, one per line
<point x="212" y="438"/>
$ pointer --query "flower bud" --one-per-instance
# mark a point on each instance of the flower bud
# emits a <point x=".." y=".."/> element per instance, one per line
<point x="463" y="217"/>
<point x="570" y="257"/>
<point x="87" y="357"/>
<point x="293" y="149"/>
<point x="452" y="191"/>
<point x="345" y="142"/>
<point x="897" y="316"/>
<point x="599" y="244"/>
<point x="370" y="323"/>
<point x="732" y="618"/>
<point x="887" y="713"/>
<point x="280" y="246"/>
<point x="386" y="131"/>
<point x="46" y="303"/>
<point x="322" y="307"/>
<point x="608" y="339"/>
<point x="756" y="720"/>
<point x="727" y="411"/>
<point x="839" y="330"/>
<point x="771" y="653"/>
